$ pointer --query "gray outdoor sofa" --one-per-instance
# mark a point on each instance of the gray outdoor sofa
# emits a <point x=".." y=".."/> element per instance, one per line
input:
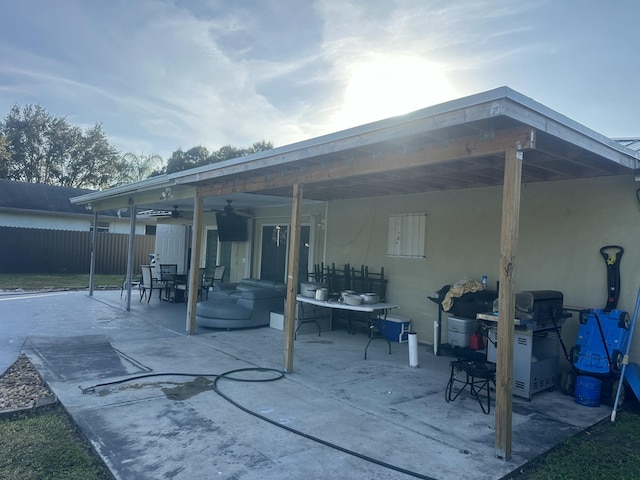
<point x="241" y="305"/>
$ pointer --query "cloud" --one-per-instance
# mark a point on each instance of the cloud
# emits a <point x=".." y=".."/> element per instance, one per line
<point x="166" y="74"/>
<point x="211" y="73"/>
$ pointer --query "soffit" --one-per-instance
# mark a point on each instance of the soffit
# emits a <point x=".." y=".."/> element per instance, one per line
<point x="550" y="159"/>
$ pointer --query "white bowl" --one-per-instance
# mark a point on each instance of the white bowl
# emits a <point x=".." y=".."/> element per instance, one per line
<point x="352" y="299"/>
<point x="370" y="297"/>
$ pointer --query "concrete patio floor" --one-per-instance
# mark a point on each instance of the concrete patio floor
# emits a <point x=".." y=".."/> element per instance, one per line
<point x="388" y="414"/>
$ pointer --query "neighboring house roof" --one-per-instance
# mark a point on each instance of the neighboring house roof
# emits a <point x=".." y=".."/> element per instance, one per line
<point x="38" y="197"/>
<point x="632" y="143"/>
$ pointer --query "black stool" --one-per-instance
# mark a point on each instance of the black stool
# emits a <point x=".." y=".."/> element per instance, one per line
<point x="478" y="376"/>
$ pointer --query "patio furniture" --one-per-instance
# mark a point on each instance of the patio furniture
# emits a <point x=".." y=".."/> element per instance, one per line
<point x="376" y="283"/>
<point x="318" y="275"/>
<point x="338" y="279"/>
<point x="217" y="278"/>
<point x="477" y="375"/>
<point x="248" y="303"/>
<point x="373" y="311"/>
<point x="149" y="283"/>
<point x="167" y="275"/>
<point x="364" y="281"/>
<point x="359" y="280"/>
<point x="183" y="286"/>
<point x="224" y="314"/>
<point x="135" y="282"/>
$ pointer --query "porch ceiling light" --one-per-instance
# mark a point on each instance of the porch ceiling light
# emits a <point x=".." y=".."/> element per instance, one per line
<point x="166" y="193"/>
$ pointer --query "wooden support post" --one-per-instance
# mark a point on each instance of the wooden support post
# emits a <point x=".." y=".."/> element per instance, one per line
<point x="292" y="278"/>
<point x="506" y="301"/>
<point x="194" y="266"/>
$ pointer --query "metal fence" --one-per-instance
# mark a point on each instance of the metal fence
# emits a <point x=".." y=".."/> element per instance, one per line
<point x="33" y="250"/>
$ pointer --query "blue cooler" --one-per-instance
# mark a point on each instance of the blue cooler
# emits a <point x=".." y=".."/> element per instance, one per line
<point x="395" y="329"/>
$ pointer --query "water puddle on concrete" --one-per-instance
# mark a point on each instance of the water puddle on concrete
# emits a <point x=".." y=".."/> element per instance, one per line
<point x="133" y="386"/>
<point x="181" y="391"/>
<point x="188" y="389"/>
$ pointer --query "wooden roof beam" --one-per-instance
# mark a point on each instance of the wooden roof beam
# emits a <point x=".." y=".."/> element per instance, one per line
<point x="460" y="148"/>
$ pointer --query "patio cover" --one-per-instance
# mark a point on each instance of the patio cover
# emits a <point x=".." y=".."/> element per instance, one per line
<point x="499" y="137"/>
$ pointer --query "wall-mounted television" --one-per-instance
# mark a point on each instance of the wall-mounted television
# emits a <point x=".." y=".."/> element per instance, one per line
<point x="232" y="227"/>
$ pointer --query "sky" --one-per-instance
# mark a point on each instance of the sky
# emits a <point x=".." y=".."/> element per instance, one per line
<point x="160" y="75"/>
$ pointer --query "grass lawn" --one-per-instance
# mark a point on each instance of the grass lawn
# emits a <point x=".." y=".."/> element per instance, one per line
<point x="42" y="281"/>
<point x="45" y="444"/>
<point x="607" y="451"/>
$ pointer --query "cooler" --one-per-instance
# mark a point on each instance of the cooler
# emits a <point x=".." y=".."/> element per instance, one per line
<point x="459" y="331"/>
<point x="395" y="329"/>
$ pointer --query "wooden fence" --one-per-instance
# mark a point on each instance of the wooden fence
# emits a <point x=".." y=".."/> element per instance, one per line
<point x="32" y="250"/>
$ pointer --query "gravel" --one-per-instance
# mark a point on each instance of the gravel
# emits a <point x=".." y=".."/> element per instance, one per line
<point x="22" y="387"/>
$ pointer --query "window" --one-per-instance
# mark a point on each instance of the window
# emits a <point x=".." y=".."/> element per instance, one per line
<point x="103" y="227"/>
<point x="406" y="237"/>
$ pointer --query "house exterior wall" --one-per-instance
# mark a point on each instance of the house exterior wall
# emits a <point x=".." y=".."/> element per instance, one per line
<point x="312" y="215"/>
<point x="63" y="222"/>
<point x="563" y="225"/>
<point x="123" y="227"/>
<point x="49" y="222"/>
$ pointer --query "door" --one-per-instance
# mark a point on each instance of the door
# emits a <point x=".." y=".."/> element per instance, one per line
<point x="274" y="257"/>
<point x="273" y="261"/>
<point x="171" y="246"/>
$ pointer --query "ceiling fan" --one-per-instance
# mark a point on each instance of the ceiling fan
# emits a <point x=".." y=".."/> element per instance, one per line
<point x="229" y="210"/>
<point x="175" y="213"/>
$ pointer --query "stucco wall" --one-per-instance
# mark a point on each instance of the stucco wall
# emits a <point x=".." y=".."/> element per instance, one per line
<point x="563" y="225"/>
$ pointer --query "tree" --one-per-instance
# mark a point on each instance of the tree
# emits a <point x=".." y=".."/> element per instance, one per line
<point x="198" y="156"/>
<point x="42" y="148"/>
<point x="137" y="167"/>
<point x="4" y="156"/>
<point x="194" y="157"/>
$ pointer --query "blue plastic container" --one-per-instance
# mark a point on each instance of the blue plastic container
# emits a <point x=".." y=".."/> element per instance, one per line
<point x="588" y="391"/>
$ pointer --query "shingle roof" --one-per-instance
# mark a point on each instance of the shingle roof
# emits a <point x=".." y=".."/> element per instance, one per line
<point x="40" y="197"/>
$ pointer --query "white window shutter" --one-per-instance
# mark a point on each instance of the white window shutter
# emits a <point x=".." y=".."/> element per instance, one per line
<point x="406" y="235"/>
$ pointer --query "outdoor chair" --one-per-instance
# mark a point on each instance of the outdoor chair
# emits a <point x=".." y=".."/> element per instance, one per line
<point x="359" y="280"/>
<point x="477" y="375"/>
<point x="318" y="275"/>
<point x="218" y="277"/>
<point x="135" y="282"/>
<point x="167" y="274"/>
<point x="185" y="286"/>
<point x="339" y="280"/>
<point x="149" y="283"/>
<point x="376" y="283"/>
